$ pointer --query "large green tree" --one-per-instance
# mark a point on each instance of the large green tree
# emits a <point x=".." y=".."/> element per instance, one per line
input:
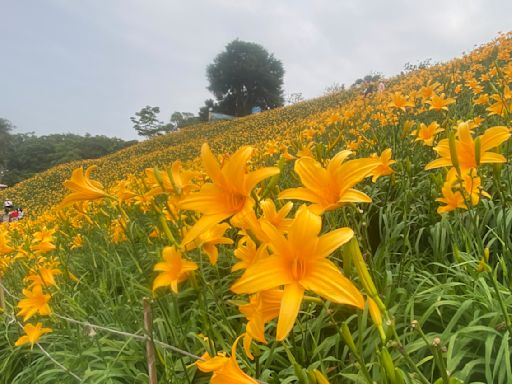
<point x="244" y="76"/>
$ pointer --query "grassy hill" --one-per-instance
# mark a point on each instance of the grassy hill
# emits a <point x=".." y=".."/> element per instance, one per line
<point x="46" y="189"/>
<point x="359" y="239"/>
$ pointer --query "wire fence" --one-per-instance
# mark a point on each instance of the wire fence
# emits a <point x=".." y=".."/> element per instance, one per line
<point x="89" y="326"/>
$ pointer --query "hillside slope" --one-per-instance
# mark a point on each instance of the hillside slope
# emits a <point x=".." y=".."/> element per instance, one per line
<point x="45" y="189"/>
<point x="361" y="239"/>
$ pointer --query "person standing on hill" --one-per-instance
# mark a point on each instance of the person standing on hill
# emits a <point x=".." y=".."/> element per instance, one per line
<point x="7" y="206"/>
<point x="13" y="215"/>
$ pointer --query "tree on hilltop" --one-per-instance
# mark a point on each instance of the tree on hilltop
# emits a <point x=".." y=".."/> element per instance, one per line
<point x="146" y="122"/>
<point x="243" y="76"/>
<point x="183" y="119"/>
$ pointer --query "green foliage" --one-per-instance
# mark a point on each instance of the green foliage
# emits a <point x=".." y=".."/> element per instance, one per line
<point x="245" y="75"/>
<point x="447" y="320"/>
<point x="183" y="119"/>
<point x="5" y="138"/>
<point x="28" y="154"/>
<point x="204" y="111"/>
<point x="146" y="122"/>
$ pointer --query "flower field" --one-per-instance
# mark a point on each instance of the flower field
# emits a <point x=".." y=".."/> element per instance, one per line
<point x="347" y="239"/>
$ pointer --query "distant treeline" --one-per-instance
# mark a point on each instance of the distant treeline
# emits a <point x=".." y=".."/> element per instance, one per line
<point x="27" y="154"/>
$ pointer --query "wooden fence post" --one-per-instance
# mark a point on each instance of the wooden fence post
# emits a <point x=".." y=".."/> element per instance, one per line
<point x="2" y="297"/>
<point x="150" y="346"/>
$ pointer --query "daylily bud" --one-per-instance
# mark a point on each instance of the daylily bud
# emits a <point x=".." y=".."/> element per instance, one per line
<point x="453" y="152"/>
<point x="316" y="377"/>
<point x="387" y="363"/>
<point x="483" y="264"/>
<point x="158" y="177"/>
<point x="357" y="259"/>
<point x="477" y="151"/>
<point x="376" y="316"/>
<point x="347" y="337"/>
<point x="456" y="254"/>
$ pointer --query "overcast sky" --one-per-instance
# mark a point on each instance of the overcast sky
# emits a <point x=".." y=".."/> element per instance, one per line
<point x="88" y="65"/>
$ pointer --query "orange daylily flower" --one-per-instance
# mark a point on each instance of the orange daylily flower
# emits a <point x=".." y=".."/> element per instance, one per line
<point x="225" y="369"/>
<point x="306" y="150"/>
<point x="471" y="186"/>
<point x="4" y="246"/>
<point x="32" y="334"/>
<point x="117" y="230"/>
<point x="331" y="187"/>
<point x="248" y="253"/>
<point x="465" y="148"/>
<point x="276" y="217"/>
<point x="122" y="191"/>
<point x="44" y="235"/>
<point x="271" y="147"/>
<point x="440" y="102"/>
<point x="43" y="247"/>
<point x="83" y="187"/>
<point x="228" y="194"/>
<point x="174" y="180"/>
<point x="457" y="190"/>
<point x="475" y="86"/>
<point x="427" y="133"/>
<point x="299" y="262"/>
<point x="400" y="102"/>
<point x="43" y="276"/>
<point x="209" y="239"/>
<point x="34" y="302"/>
<point x="77" y="241"/>
<point x="482" y="99"/>
<point x="428" y="90"/>
<point x="383" y="168"/>
<point x="262" y="307"/>
<point x="502" y="103"/>
<point x="173" y="270"/>
<point x="451" y="199"/>
<point x="42" y="241"/>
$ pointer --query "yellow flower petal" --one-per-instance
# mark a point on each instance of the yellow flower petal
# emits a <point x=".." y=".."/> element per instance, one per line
<point x="290" y="305"/>
<point x="326" y="280"/>
<point x="266" y="274"/>
<point x="331" y="241"/>
<point x="202" y="225"/>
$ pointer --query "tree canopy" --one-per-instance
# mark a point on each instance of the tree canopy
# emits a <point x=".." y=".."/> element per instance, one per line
<point x="146" y="122"/>
<point x="244" y="76"/>
<point x="5" y="137"/>
<point x="28" y="154"/>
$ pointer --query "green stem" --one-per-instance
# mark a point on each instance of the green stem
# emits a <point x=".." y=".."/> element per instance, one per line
<point x="502" y="303"/>
<point x="352" y="348"/>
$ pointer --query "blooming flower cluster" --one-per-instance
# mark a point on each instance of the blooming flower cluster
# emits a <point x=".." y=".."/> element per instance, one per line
<point x="260" y="233"/>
